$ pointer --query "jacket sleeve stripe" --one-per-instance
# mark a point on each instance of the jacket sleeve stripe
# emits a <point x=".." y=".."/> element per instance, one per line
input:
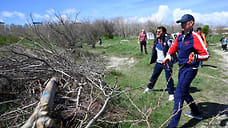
<point x="200" y="47"/>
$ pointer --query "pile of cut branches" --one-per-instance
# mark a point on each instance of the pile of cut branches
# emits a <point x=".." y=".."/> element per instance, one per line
<point x="82" y="96"/>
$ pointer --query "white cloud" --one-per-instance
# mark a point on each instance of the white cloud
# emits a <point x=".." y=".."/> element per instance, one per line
<point x="13" y="14"/>
<point x="7" y="14"/>
<point x="51" y="11"/>
<point x="38" y="16"/>
<point x="69" y="11"/>
<point x="131" y="20"/>
<point x="178" y="13"/>
<point x="164" y="15"/>
<point x="160" y="16"/>
<point x="214" y="19"/>
<point x="64" y="17"/>
<point x="19" y="14"/>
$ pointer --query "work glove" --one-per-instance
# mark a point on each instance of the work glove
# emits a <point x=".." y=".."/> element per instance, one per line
<point x="167" y="58"/>
<point x="191" y="57"/>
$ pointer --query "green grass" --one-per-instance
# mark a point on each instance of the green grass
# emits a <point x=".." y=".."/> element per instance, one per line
<point x="206" y="87"/>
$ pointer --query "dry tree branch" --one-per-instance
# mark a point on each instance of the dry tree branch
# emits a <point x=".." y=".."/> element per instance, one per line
<point x="9" y="101"/>
<point x="99" y="113"/>
<point x="18" y="109"/>
<point x="144" y="115"/>
<point x="180" y="109"/>
<point x="226" y="110"/>
<point x="40" y="116"/>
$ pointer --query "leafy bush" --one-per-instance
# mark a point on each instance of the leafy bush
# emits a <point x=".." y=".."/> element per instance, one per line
<point x="2" y="40"/>
<point x="108" y="36"/>
<point x="12" y="39"/>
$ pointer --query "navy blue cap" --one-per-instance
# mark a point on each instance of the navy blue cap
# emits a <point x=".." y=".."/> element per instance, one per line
<point x="185" y="18"/>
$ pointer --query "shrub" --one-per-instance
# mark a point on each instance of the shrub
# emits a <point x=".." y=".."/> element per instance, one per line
<point x="12" y="39"/>
<point x="2" y="40"/>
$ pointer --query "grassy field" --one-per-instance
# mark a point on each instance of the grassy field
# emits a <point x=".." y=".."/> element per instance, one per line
<point x="209" y="88"/>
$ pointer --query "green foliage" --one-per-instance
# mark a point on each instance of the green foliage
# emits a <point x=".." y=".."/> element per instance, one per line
<point x="116" y="73"/>
<point x="205" y="29"/>
<point x="2" y="40"/>
<point x="108" y="36"/>
<point x="214" y="38"/>
<point x="12" y="39"/>
<point x="8" y="40"/>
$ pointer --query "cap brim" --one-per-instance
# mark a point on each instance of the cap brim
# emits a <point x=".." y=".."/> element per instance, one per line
<point x="178" y="21"/>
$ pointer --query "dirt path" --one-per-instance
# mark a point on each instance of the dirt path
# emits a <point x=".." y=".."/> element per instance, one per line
<point x="224" y="60"/>
<point x="119" y="63"/>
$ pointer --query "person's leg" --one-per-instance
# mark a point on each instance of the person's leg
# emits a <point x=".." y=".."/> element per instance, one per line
<point x="223" y="47"/>
<point x="181" y="94"/>
<point x="190" y="75"/>
<point x="201" y="63"/>
<point x="141" y="46"/>
<point x="145" y="48"/>
<point x="178" y="101"/>
<point x="157" y="71"/>
<point x="169" y="79"/>
<point x="186" y="75"/>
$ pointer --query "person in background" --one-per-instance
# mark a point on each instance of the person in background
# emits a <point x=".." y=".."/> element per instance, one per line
<point x="142" y="38"/>
<point x="202" y="35"/>
<point x="224" y="42"/>
<point x="159" y="52"/>
<point x="191" y="49"/>
<point x="100" y="41"/>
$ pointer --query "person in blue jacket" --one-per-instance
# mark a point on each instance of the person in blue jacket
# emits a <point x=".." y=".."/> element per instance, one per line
<point x="159" y="52"/>
<point x="191" y="50"/>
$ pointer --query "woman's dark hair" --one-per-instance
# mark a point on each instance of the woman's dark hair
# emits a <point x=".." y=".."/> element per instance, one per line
<point x="199" y="28"/>
<point x="163" y="28"/>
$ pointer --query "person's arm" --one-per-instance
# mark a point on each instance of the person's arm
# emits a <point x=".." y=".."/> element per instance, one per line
<point x="202" y="54"/>
<point x="138" y="38"/>
<point x="172" y="51"/>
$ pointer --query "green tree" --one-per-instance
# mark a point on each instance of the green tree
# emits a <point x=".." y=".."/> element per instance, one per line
<point x="205" y="29"/>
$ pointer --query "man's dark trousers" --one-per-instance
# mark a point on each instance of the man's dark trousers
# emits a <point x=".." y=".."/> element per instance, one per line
<point x="168" y="74"/>
<point x="143" y="43"/>
<point x="186" y="75"/>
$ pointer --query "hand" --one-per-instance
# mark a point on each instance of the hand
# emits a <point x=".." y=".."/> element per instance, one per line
<point x="167" y="58"/>
<point x="191" y="57"/>
<point x="138" y="42"/>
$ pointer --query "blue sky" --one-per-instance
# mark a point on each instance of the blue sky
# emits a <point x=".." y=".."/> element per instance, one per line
<point x="212" y="12"/>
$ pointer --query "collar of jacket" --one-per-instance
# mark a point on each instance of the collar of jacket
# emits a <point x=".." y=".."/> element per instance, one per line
<point x="190" y="32"/>
<point x="161" y="38"/>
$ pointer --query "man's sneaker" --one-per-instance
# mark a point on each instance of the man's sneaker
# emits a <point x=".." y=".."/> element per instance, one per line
<point x="171" y="97"/>
<point x="189" y="114"/>
<point x="147" y="90"/>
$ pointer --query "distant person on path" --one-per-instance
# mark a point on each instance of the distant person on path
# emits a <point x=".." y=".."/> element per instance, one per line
<point x="191" y="49"/>
<point x="224" y="42"/>
<point x="202" y="35"/>
<point x="142" y="38"/>
<point x="100" y="41"/>
<point x="161" y="46"/>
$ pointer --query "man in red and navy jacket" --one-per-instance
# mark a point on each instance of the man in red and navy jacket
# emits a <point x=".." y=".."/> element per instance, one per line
<point x="191" y="50"/>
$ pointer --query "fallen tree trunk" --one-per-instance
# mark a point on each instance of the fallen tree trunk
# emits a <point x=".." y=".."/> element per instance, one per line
<point x="40" y="117"/>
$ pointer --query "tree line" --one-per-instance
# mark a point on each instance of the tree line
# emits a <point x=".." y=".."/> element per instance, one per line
<point x="71" y="33"/>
